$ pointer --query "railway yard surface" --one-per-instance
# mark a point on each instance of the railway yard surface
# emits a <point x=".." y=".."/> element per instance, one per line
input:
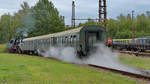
<point x="24" y="69"/>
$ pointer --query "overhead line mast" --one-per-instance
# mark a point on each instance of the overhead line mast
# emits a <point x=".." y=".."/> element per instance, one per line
<point x="73" y="13"/>
<point x="102" y="13"/>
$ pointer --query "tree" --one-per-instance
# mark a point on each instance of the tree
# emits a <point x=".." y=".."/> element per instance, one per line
<point x="47" y="19"/>
<point x="6" y="28"/>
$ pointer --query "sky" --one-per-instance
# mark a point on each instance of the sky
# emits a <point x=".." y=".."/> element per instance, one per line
<point x="84" y="8"/>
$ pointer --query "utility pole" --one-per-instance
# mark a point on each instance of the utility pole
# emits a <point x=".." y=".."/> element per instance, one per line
<point x="100" y="10"/>
<point x="73" y="13"/>
<point x="133" y="30"/>
<point x="63" y="18"/>
<point x="103" y="12"/>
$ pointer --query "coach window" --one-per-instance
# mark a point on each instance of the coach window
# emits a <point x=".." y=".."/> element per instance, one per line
<point x="66" y="39"/>
<point x="142" y="41"/>
<point x="74" y="38"/>
<point x="49" y="40"/>
<point x="45" y="41"/>
<point x="70" y="39"/>
<point x="31" y="43"/>
<point x="38" y="41"/>
<point x="77" y="36"/>
<point x="54" y="40"/>
<point x="57" y="40"/>
<point x="41" y="42"/>
<point x="11" y="41"/>
<point x="62" y="40"/>
<point x="148" y="41"/>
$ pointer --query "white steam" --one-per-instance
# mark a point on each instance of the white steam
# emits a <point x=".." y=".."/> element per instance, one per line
<point x="103" y="57"/>
<point x="67" y="54"/>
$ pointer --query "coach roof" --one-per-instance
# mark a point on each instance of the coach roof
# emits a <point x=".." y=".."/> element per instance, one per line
<point x="72" y="31"/>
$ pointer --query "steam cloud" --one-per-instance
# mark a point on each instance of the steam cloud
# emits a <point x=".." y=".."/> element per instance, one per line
<point x="103" y="57"/>
<point x="67" y="54"/>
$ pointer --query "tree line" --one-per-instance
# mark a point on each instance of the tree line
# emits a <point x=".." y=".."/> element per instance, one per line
<point x="124" y="26"/>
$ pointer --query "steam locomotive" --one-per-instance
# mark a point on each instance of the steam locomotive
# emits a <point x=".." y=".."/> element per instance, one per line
<point x="82" y="39"/>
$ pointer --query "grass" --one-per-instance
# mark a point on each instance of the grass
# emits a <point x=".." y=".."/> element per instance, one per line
<point x="3" y="48"/>
<point x="138" y="62"/>
<point x="23" y="69"/>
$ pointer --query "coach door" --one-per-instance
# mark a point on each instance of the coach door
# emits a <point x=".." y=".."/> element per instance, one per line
<point x="91" y="39"/>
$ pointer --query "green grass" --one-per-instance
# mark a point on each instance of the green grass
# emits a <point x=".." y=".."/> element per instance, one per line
<point x="23" y="69"/>
<point x="3" y="48"/>
<point x="138" y="62"/>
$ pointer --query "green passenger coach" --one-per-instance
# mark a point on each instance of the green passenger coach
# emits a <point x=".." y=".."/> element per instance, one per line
<point x="82" y="39"/>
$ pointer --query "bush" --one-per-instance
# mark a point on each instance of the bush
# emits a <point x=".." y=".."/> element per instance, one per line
<point x="3" y="48"/>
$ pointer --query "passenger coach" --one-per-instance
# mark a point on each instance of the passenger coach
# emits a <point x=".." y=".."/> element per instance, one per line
<point x="82" y="39"/>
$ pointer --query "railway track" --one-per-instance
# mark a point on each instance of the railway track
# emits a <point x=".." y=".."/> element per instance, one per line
<point x="142" y="54"/>
<point x="145" y="75"/>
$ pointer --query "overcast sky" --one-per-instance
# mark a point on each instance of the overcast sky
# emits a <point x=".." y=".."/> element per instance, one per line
<point x="84" y="8"/>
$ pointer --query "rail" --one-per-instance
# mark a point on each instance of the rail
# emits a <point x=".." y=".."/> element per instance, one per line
<point x="139" y="76"/>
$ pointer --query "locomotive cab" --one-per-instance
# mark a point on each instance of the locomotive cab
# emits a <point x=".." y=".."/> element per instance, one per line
<point x="10" y="44"/>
